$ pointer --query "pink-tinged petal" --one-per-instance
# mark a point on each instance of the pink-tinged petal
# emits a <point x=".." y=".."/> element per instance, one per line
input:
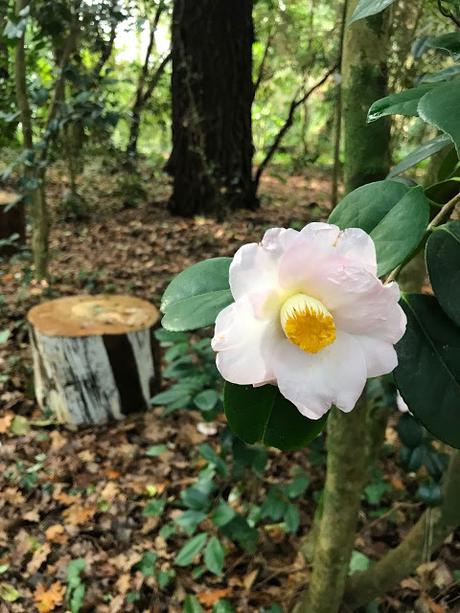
<point x="244" y="344"/>
<point x="255" y="266"/>
<point x="320" y="235"/>
<point x="380" y="356"/>
<point x="371" y="309"/>
<point x="358" y="248"/>
<point x="314" y="382"/>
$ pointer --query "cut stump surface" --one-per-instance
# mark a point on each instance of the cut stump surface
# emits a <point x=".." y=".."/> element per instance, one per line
<point x="95" y="357"/>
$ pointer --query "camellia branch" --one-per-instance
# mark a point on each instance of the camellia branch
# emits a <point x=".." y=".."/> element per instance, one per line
<point x="440" y="218"/>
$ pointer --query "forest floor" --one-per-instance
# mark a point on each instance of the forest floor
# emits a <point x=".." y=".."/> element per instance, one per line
<point x="88" y="518"/>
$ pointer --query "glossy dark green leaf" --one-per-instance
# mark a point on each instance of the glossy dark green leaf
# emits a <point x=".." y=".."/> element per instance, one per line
<point x="428" y="372"/>
<point x="443" y="263"/>
<point x="410" y="431"/>
<point x="395" y="216"/>
<point x="366" y="8"/>
<point x="421" y="153"/>
<point x="443" y="191"/>
<point x="449" y="42"/>
<point x="440" y="107"/>
<point x="403" y="103"/>
<point x="399" y="233"/>
<point x="262" y="414"/>
<point x="442" y="75"/>
<point x="366" y="206"/>
<point x="195" y="297"/>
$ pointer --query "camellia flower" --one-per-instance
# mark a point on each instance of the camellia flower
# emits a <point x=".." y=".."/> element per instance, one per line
<point x="310" y="316"/>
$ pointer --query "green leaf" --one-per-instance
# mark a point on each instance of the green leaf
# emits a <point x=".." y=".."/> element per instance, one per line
<point x="442" y="75"/>
<point x="20" y="425"/>
<point x="240" y="531"/>
<point x="399" y="233"/>
<point x="154" y="508"/>
<point x="421" y="153"/>
<point x="222" y="514"/>
<point x="365" y="206"/>
<point x="443" y="191"/>
<point x="292" y="518"/>
<point x="156" y="450"/>
<point x="206" y="400"/>
<point x="191" y="549"/>
<point x="449" y="42"/>
<point x="191" y="604"/>
<point x="147" y="564"/>
<point x="195" y="499"/>
<point x="440" y="108"/>
<point x="410" y="431"/>
<point x="262" y="414"/>
<point x="274" y="505"/>
<point x="195" y="297"/>
<point x="214" y="556"/>
<point x="8" y="593"/>
<point x="443" y="264"/>
<point x="190" y="520"/>
<point x="358" y="562"/>
<point x="395" y="216"/>
<point x="366" y="8"/>
<point x="298" y="486"/>
<point x="4" y="336"/>
<point x="428" y="373"/>
<point x="430" y="493"/>
<point x="223" y="606"/>
<point x="405" y="103"/>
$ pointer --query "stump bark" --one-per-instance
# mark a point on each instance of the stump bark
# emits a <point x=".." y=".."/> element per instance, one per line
<point x="95" y="357"/>
<point x="12" y="223"/>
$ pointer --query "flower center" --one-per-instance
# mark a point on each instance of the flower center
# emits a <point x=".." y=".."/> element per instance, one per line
<point x="307" y="323"/>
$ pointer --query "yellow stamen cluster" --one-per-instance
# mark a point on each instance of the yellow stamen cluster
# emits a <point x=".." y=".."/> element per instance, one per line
<point x="307" y="323"/>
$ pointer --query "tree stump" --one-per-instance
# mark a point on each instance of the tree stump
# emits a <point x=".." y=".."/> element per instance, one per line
<point x="12" y="222"/>
<point x="95" y="357"/>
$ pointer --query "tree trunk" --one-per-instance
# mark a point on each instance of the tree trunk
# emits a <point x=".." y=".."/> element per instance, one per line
<point x="95" y="357"/>
<point x="365" y="75"/>
<point x="366" y="147"/>
<point x="212" y="91"/>
<point x="346" y="474"/>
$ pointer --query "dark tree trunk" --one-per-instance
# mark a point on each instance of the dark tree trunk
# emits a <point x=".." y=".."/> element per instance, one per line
<point x="212" y="91"/>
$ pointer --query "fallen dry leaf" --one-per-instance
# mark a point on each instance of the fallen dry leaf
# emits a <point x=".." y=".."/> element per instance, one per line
<point x="38" y="558"/>
<point x="5" y="422"/>
<point x="48" y="600"/>
<point x="209" y="598"/>
<point x="79" y="514"/>
<point x="56" y="534"/>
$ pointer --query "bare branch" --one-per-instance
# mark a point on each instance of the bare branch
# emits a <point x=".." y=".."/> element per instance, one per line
<point x="261" y="71"/>
<point x="296" y="102"/>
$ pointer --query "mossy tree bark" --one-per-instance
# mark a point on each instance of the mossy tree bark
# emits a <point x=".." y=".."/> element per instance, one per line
<point x="365" y="76"/>
<point x="350" y="436"/>
<point x="212" y="92"/>
<point x="346" y="474"/>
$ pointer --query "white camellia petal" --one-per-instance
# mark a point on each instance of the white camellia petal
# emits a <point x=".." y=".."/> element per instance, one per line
<point x="244" y="344"/>
<point x="380" y="356"/>
<point x="372" y="311"/>
<point x="358" y="247"/>
<point x="254" y="266"/>
<point x="313" y="382"/>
